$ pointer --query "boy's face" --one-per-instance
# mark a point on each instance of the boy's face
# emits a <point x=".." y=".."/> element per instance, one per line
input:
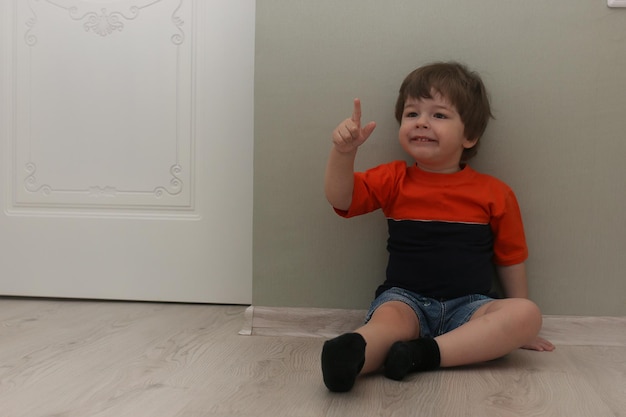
<point x="432" y="132"/>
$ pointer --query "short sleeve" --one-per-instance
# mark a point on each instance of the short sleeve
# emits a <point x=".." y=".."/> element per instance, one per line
<point x="509" y="239"/>
<point x="374" y="188"/>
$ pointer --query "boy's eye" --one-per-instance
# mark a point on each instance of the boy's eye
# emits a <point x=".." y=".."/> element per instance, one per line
<point x="411" y="114"/>
<point x="440" y="116"/>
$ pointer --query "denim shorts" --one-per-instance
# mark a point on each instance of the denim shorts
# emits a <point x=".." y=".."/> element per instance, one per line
<point x="435" y="317"/>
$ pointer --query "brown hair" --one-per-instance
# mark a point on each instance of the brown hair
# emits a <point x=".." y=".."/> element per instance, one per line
<point x="461" y="87"/>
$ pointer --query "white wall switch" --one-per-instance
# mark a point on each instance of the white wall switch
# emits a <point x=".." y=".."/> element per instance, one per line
<point x="617" y="3"/>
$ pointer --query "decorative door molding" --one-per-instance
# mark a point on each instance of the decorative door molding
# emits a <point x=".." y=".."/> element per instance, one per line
<point x="102" y="106"/>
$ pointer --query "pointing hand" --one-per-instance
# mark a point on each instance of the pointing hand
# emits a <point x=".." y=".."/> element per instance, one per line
<point x="349" y="135"/>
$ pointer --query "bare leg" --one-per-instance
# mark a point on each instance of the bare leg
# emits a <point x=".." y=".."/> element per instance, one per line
<point x="346" y="356"/>
<point x="494" y="330"/>
<point x="391" y="322"/>
<point x="497" y="328"/>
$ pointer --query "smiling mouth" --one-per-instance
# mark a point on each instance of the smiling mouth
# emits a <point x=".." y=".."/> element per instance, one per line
<point x="422" y="139"/>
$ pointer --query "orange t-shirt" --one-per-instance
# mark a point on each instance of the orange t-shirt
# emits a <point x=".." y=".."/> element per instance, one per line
<point x="446" y="231"/>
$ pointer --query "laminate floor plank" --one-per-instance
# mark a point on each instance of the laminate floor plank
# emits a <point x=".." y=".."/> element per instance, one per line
<point x="585" y="331"/>
<point x="604" y="368"/>
<point x="103" y="356"/>
<point x="121" y="359"/>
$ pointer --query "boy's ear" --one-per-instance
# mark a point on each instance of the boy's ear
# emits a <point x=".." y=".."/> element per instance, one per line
<point x="468" y="144"/>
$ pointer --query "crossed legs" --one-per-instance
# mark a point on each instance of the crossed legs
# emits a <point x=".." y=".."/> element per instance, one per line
<point x="495" y="329"/>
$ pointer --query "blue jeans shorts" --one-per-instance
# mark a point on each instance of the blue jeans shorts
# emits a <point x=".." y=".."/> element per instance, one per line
<point x="435" y="317"/>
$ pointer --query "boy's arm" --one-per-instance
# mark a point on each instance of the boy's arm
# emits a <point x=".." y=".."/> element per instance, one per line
<point x="339" y="180"/>
<point x="513" y="280"/>
<point x="347" y="137"/>
<point x="515" y="285"/>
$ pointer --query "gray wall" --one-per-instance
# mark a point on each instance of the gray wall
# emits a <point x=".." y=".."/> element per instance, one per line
<point x="556" y="71"/>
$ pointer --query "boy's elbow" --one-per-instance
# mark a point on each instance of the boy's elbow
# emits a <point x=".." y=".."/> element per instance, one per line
<point x="339" y="199"/>
<point x="339" y="203"/>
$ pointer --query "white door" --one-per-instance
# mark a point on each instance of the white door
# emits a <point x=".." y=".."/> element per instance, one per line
<point x="127" y="137"/>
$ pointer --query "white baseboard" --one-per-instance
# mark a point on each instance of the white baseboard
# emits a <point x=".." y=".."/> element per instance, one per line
<point x="328" y="323"/>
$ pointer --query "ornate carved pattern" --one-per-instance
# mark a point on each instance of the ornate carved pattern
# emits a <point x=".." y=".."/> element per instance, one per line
<point x="104" y="22"/>
<point x="178" y="38"/>
<point x="175" y="187"/>
<point x="29" y="36"/>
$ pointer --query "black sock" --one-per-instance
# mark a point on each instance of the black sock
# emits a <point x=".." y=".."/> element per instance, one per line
<point x="342" y="360"/>
<point x="415" y="355"/>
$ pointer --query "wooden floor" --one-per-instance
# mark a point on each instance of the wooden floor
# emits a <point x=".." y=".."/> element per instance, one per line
<point x="97" y="359"/>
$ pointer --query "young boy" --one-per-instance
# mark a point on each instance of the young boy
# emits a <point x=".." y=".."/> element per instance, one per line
<point x="451" y="229"/>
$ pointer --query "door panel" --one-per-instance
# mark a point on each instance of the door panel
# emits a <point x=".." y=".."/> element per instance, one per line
<point x="121" y="175"/>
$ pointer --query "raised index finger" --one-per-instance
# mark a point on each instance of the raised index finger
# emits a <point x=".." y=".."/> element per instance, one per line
<point x="356" y="113"/>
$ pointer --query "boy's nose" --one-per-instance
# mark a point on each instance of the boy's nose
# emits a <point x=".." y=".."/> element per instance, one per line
<point x="421" y="122"/>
